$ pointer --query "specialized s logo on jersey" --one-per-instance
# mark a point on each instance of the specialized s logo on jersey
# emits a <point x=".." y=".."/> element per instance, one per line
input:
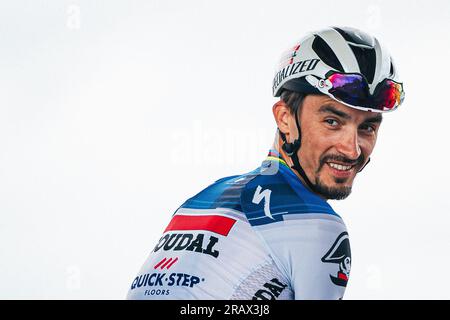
<point x="259" y="196"/>
<point x="340" y="253"/>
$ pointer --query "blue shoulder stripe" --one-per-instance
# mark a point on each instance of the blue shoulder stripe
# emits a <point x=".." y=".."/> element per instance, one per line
<point x="265" y="195"/>
<point x="269" y="198"/>
<point x="224" y="193"/>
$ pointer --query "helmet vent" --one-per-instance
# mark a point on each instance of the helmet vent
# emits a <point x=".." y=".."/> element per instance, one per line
<point x="366" y="61"/>
<point x="356" y="37"/>
<point x="326" y="54"/>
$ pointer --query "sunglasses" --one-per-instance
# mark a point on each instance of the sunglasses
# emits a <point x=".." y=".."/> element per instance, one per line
<point x="352" y="89"/>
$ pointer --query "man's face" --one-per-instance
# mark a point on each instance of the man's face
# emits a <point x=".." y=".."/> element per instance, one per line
<point x="336" y="142"/>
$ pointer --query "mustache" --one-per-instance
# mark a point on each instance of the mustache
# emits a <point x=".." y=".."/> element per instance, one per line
<point x="351" y="162"/>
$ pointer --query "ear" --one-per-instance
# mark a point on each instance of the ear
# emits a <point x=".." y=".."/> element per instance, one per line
<point x="282" y="115"/>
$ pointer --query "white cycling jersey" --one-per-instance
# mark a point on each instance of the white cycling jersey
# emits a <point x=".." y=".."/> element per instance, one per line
<point x="260" y="235"/>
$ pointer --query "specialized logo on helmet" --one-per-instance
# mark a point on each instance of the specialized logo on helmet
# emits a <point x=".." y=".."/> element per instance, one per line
<point x="293" y="69"/>
<point x="340" y="254"/>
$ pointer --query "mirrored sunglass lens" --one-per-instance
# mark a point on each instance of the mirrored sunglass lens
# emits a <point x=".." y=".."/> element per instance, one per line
<point x="354" y="90"/>
<point x="343" y="80"/>
<point x="349" y="88"/>
<point x="389" y="95"/>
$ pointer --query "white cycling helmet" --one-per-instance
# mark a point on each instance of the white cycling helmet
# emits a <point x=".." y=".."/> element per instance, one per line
<point x="344" y="63"/>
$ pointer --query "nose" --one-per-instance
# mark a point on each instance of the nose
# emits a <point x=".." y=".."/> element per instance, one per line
<point x="349" y="145"/>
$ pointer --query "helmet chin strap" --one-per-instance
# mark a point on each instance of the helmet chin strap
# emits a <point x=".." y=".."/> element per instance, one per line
<point x="291" y="149"/>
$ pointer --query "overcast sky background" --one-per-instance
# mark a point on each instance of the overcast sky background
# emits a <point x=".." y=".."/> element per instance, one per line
<point x="113" y="113"/>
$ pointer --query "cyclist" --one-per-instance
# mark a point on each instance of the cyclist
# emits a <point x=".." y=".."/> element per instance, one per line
<point x="270" y="233"/>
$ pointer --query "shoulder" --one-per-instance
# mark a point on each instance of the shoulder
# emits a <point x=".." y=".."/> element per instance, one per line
<point x="223" y="193"/>
<point x="268" y="194"/>
<point x="278" y="195"/>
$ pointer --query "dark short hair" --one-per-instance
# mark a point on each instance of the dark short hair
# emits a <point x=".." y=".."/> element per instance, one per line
<point x="293" y="100"/>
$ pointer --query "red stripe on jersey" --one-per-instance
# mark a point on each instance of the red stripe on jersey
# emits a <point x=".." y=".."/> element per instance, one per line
<point x="342" y="276"/>
<point x="216" y="224"/>
<point x="168" y="267"/>
<point x="166" y="263"/>
<point x="160" y="263"/>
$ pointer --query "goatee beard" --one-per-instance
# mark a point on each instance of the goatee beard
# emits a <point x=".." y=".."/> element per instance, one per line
<point x="332" y="193"/>
<point x="338" y="192"/>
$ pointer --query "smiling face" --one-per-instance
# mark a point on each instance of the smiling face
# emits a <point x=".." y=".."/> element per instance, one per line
<point x="336" y="142"/>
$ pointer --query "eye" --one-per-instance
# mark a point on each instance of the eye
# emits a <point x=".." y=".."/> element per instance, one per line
<point x="332" y="122"/>
<point x="368" y="128"/>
